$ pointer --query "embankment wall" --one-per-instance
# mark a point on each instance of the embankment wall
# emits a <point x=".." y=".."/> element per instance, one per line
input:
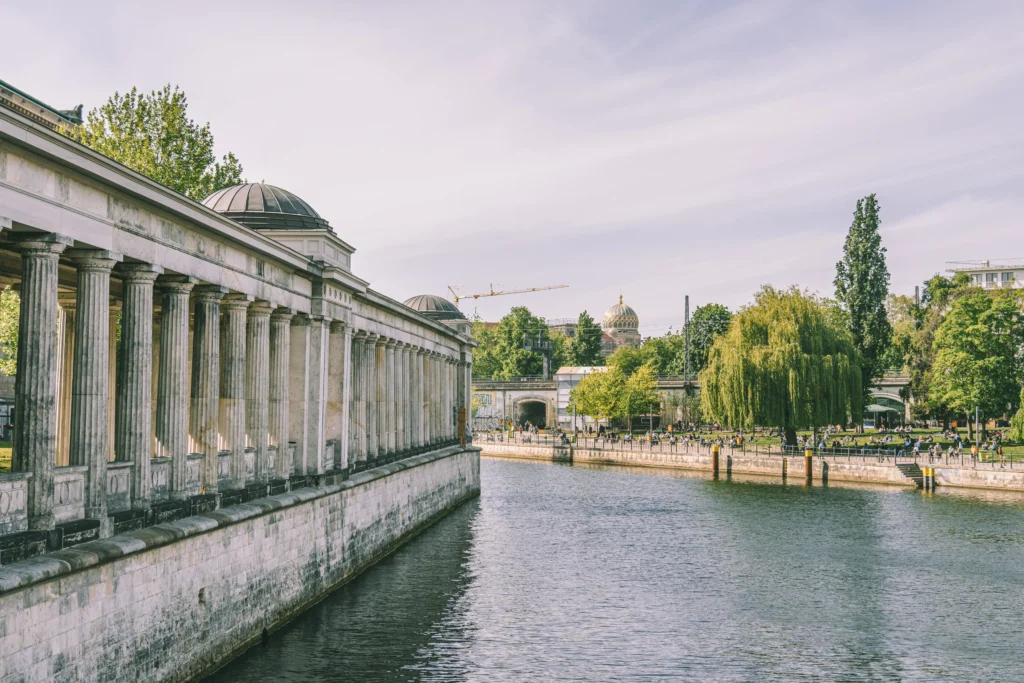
<point x="176" y="601"/>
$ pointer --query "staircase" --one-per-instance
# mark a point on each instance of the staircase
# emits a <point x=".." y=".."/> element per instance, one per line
<point x="911" y="470"/>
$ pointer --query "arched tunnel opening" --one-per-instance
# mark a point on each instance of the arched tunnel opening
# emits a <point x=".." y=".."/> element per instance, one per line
<point x="534" y="413"/>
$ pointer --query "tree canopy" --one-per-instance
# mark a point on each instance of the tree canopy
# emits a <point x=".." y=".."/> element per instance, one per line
<point x="782" y="364"/>
<point x="708" y="323"/>
<point x="862" y="285"/>
<point x="584" y="348"/>
<point x="978" y="353"/>
<point x="152" y="134"/>
<point x="613" y="394"/>
<point x="501" y="353"/>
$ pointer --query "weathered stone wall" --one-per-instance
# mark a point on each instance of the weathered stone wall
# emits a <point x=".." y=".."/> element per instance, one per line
<point x="175" y="601"/>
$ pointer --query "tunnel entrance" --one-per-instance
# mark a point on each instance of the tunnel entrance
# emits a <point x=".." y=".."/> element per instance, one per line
<point x="534" y="412"/>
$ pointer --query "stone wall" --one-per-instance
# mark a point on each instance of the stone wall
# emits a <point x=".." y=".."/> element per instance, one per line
<point x="175" y="601"/>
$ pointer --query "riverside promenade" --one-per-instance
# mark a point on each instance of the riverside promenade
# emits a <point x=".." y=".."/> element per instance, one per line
<point x="854" y="465"/>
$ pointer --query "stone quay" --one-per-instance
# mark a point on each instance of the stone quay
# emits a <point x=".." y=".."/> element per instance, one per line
<point x="216" y="421"/>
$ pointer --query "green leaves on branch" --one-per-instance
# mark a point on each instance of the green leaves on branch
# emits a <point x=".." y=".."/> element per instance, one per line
<point x="612" y="394"/>
<point x="153" y="135"/>
<point x="584" y="348"/>
<point x="10" y="308"/>
<point x="500" y="354"/>
<point x="783" y="364"/>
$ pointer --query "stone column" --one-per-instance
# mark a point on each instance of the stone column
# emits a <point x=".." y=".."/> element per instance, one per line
<point x="369" y="383"/>
<point x="418" y="398"/>
<point x="319" y="333"/>
<point x="231" y="416"/>
<point x="428" y="405"/>
<point x="382" y="409"/>
<point x="279" y="404"/>
<point x="435" y="396"/>
<point x="113" y="313"/>
<point x="35" y="391"/>
<point x="205" y="403"/>
<point x="356" y="441"/>
<point x="65" y="363"/>
<point x="298" y="391"/>
<point x="133" y="427"/>
<point x="408" y="354"/>
<point x="257" y="383"/>
<point x="172" y="396"/>
<point x="400" y="443"/>
<point x="90" y="382"/>
<point x="337" y="363"/>
<point x="390" y="396"/>
<point x="446" y="409"/>
<point x="346" y="400"/>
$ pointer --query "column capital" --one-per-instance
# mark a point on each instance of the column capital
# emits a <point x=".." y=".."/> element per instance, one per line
<point x="181" y="284"/>
<point x="235" y="301"/>
<point x="300" y="320"/>
<point x="212" y="293"/>
<point x="94" y="260"/>
<point x="282" y="314"/>
<point x="67" y="301"/>
<point x="370" y="337"/>
<point x="260" y="309"/>
<point x="40" y="243"/>
<point x="381" y="340"/>
<point x="138" y="272"/>
<point x="359" y="335"/>
<point x="338" y="325"/>
<point x="391" y="343"/>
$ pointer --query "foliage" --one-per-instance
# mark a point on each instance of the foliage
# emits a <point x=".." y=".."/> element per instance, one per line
<point x="1017" y="421"/>
<point x="10" y="305"/>
<point x="501" y="354"/>
<point x="862" y="285"/>
<point x="708" y="323"/>
<point x="782" y="364"/>
<point x="978" y="353"/>
<point x="902" y="313"/>
<point x="627" y="359"/>
<point x="153" y="135"/>
<point x="597" y="394"/>
<point x="584" y="348"/>
<point x="639" y="395"/>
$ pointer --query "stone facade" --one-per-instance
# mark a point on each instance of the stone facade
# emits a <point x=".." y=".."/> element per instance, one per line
<point x="175" y="601"/>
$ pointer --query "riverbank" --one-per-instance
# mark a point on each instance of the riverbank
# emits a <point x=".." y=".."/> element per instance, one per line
<point x="825" y="467"/>
<point x="175" y="601"/>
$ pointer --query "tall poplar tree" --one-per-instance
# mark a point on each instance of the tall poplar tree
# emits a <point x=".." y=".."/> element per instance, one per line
<point x="783" y="364"/>
<point x="584" y="349"/>
<point x="862" y="285"/>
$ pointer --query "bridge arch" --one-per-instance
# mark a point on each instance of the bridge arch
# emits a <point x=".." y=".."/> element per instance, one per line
<point x="532" y="408"/>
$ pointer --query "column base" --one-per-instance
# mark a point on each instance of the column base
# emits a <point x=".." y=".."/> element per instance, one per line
<point x="22" y="545"/>
<point x="170" y="511"/>
<point x="72" y="533"/>
<point x="255" y="490"/>
<point x="300" y="481"/>
<point x="278" y="486"/>
<point x="204" y="502"/>
<point x="229" y="497"/>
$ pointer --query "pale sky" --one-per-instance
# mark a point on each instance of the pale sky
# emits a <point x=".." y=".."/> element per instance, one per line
<point x="653" y="148"/>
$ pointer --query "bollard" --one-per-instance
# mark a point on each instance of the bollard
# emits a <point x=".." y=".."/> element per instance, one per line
<point x="808" y="464"/>
<point x="714" y="461"/>
<point x="783" y="469"/>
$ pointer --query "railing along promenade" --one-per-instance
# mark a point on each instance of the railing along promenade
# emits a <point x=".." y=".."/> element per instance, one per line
<point x="863" y="454"/>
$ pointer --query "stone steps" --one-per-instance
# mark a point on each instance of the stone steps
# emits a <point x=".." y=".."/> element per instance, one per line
<point x="912" y="471"/>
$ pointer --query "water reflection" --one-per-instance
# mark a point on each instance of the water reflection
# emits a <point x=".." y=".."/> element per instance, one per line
<point x="596" y="573"/>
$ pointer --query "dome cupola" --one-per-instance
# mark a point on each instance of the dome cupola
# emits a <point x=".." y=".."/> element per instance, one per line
<point x="620" y="317"/>
<point x="265" y="207"/>
<point x="435" y="307"/>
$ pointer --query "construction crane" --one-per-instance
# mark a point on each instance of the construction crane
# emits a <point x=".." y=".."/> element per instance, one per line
<point x="456" y="297"/>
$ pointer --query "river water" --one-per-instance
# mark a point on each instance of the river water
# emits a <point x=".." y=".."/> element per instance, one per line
<point x="560" y="573"/>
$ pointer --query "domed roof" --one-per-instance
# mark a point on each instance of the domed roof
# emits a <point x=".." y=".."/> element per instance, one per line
<point x="435" y="307"/>
<point x="265" y="207"/>
<point x="620" y="317"/>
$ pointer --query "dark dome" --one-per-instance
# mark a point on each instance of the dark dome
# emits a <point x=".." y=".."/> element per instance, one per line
<point x="435" y="307"/>
<point x="265" y="207"/>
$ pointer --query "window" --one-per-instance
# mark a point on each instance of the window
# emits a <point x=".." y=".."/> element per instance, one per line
<point x="1007" y="279"/>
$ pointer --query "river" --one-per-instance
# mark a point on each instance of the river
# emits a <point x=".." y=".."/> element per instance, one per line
<point x="561" y="573"/>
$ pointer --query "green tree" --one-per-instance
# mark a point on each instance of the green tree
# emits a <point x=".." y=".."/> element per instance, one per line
<point x="978" y="353"/>
<point x="501" y="353"/>
<point x="639" y="395"/>
<point x="862" y="285"/>
<point x="9" y="310"/>
<point x="627" y="359"/>
<point x="584" y="348"/>
<point x="782" y="364"/>
<point x="1017" y="423"/>
<point x="152" y="134"/>
<point x="598" y="394"/>
<point x="708" y="323"/>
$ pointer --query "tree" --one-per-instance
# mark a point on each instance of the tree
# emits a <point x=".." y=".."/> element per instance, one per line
<point x="639" y="395"/>
<point x="584" y="348"/>
<point x="782" y="364"/>
<point x="9" y="310"/>
<point x="862" y="285"/>
<point x="627" y="359"/>
<point x="709" y="322"/>
<point x="501" y="353"/>
<point x="597" y="395"/>
<point x="978" y="353"/>
<point x="1017" y="423"/>
<point x="153" y="135"/>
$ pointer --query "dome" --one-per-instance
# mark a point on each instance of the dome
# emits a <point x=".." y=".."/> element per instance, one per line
<point x="265" y="207"/>
<point x="435" y="307"/>
<point x="620" y="317"/>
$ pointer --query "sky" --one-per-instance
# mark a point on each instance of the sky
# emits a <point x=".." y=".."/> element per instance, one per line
<point x="652" y="149"/>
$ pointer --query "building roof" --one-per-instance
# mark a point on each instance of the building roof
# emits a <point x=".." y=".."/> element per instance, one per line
<point x="580" y="369"/>
<point x="36" y="109"/>
<point x="436" y="307"/>
<point x="620" y="316"/>
<point x="265" y="207"/>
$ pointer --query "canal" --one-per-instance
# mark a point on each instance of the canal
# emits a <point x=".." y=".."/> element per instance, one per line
<point x="561" y="573"/>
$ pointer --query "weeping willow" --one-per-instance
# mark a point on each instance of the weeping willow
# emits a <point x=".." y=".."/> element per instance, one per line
<point x="782" y="364"/>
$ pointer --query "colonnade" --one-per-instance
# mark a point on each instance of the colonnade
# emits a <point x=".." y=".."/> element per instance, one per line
<point x="222" y="393"/>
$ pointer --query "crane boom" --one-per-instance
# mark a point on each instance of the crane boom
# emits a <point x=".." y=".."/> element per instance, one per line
<point x="456" y="297"/>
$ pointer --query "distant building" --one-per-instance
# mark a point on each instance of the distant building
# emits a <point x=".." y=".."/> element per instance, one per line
<point x="38" y="111"/>
<point x="991" y="274"/>
<point x="619" y="327"/>
<point x="440" y="309"/>
<point x="566" y="380"/>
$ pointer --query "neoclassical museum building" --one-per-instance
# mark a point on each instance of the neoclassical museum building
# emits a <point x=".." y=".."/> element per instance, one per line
<point x="177" y="356"/>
